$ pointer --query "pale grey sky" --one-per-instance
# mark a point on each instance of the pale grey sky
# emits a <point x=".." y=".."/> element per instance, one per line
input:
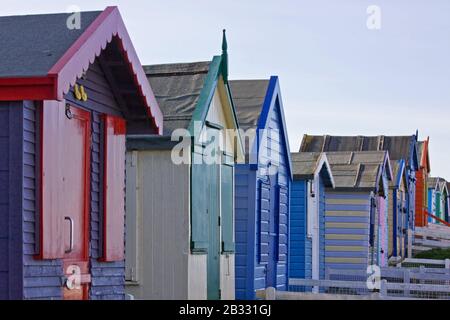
<point x="337" y="77"/>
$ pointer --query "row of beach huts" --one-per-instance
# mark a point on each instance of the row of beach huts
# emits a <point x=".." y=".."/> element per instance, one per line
<point x="171" y="181"/>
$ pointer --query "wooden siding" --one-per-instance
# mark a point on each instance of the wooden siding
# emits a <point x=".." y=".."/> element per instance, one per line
<point x="250" y="231"/>
<point x="245" y="234"/>
<point x="100" y="94"/>
<point x="421" y="202"/>
<point x="41" y="278"/>
<point x="11" y="169"/>
<point x="162" y="195"/>
<point x="322" y="204"/>
<point x="108" y="278"/>
<point x="347" y="230"/>
<point x="300" y="246"/>
<point x="275" y="149"/>
<point x="391" y="213"/>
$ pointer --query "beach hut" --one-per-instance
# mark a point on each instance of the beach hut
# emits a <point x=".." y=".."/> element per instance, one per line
<point x="312" y="174"/>
<point x="356" y="210"/>
<point x="433" y="198"/>
<point x="422" y="174"/>
<point x="444" y="199"/>
<point x="399" y="148"/>
<point x="437" y="199"/>
<point x="180" y="187"/>
<point x="262" y="188"/>
<point x="398" y="211"/>
<point x="68" y="96"/>
<point x="447" y="207"/>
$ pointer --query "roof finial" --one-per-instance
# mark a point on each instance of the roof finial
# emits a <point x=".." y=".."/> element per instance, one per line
<point x="224" y="42"/>
<point x="417" y="134"/>
<point x="224" y="57"/>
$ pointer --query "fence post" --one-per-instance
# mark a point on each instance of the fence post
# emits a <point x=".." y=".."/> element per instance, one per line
<point x="406" y="281"/>
<point x="271" y="293"/>
<point x="383" y="289"/>
<point x="422" y="272"/>
<point x="410" y="241"/>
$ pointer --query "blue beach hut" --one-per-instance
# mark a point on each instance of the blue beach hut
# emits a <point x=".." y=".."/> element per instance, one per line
<point x="312" y="174"/>
<point x="262" y="188"/>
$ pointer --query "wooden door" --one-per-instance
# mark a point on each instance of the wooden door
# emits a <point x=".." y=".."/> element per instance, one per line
<point x="271" y="267"/>
<point x="382" y="247"/>
<point x="212" y="151"/>
<point x="75" y="190"/>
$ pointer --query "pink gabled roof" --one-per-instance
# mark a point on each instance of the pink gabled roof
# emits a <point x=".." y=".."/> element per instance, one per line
<point x="76" y="60"/>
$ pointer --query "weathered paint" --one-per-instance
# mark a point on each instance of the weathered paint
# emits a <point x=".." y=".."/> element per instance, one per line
<point x="160" y="266"/>
<point x="35" y="278"/>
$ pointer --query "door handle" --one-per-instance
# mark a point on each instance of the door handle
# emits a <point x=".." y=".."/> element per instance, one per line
<point x="71" y="234"/>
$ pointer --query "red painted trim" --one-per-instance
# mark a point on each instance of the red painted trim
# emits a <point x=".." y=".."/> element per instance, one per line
<point x="77" y="59"/>
<point x="438" y="219"/>
<point x="40" y="254"/>
<point x="83" y="39"/>
<point x="119" y="129"/>
<point x="89" y="46"/>
<point x="39" y="88"/>
<point x="85" y="116"/>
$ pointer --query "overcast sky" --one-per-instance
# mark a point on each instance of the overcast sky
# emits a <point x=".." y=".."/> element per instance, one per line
<point x="337" y="76"/>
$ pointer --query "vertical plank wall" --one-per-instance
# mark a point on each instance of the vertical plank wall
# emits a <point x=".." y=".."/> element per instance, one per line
<point x="347" y="230"/>
<point x="245" y="233"/>
<point x="108" y="278"/>
<point x="42" y="279"/>
<point x="300" y="253"/>
<point x="275" y="149"/>
<point x="322" y="205"/>
<point x="250" y="273"/>
<point x="11" y="141"/>
<point x="162" y="233"/>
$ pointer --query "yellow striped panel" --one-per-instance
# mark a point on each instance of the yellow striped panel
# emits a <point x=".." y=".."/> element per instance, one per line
<point x="347" y="201"/>
<point x="344" y="260"/>
<point x="346" y="225"/>
<point x="347" y="214"/>
<point x="346" y="248"/>
<point x="345" y="237"/>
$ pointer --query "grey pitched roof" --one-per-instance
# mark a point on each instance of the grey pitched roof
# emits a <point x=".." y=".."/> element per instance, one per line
<point x="357" y="170"/>
<point x="248" y="97"/>
<point x="32" y="44"/>
<point x="437" y="182"/>
<point x="398" y="146"/>
<point x="306" y="164"/>
<point x="432" y="182"/>
<point x="177" y="89"/>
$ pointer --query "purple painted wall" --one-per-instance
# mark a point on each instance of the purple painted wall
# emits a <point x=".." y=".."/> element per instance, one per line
<point x="19" y="201"/>
<point x="10" y="200"/>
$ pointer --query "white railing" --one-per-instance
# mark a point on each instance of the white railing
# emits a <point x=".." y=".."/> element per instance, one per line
<point x="394" y="283"/>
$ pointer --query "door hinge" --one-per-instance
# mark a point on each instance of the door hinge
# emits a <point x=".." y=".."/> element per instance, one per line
<point x="219" y="220"/>
<point x="220" y="294"/>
